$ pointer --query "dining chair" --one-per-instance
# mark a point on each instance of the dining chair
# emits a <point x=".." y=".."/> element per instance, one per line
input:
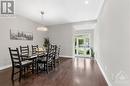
<point x="24" y="51"/>
<point x="53" y="54"/>
<point x="34" y="48"/>
<point x="46" y="61"/>
<point x="18" y="63"/>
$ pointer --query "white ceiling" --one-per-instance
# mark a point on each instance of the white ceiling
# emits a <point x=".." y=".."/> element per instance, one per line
<point x="58" y="11"/>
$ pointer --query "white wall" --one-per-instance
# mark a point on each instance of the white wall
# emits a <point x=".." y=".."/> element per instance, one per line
<point x="19" y="23"/>
<point x="112" y="41"/>
<point x="63" y="35"/>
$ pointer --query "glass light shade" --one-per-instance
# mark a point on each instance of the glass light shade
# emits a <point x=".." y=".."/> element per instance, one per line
<point x="42" y="29"/>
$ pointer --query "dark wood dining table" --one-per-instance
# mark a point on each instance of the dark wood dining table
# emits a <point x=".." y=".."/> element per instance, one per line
<point x="33" y="58"/>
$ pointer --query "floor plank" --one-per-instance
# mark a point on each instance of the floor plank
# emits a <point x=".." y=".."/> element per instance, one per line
<point x="71" y="72"/>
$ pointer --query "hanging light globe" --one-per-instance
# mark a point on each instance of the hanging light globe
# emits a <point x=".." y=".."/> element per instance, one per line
<point x="42" y="28"/>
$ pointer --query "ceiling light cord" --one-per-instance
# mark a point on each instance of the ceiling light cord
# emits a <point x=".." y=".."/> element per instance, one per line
<point x="42" y="13"/>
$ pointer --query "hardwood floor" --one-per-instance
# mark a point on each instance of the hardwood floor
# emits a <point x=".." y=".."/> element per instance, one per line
<point x="71" y="72"/>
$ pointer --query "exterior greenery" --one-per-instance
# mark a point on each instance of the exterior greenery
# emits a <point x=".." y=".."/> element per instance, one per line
<point x="83" y="46"/>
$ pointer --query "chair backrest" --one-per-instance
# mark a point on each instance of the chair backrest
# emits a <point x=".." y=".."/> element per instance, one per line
<point x="34" y="49"/>
<point x="24" y="51"/>
<point x="52" y="52"/>
<point x="15" y="57"/>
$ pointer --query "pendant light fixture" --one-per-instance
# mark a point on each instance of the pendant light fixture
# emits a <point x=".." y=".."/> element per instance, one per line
<point x="42" y="28"/>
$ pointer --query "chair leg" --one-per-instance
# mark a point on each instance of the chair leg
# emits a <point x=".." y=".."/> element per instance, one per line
<point x="24" y="70"/>
<point x="32" y="68"/>
<point x="47" y="68"/>
<point x="12" y="77"/>
<point x="44" y="67"/>
<point x="20" y="74"/>
<point x="54" y="63"/>
<point x="59" y="61"/>
<point x="37" y="67"/>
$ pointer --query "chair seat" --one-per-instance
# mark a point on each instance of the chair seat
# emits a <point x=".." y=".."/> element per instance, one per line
<point x="26" y="62"/>
<point x="33" y="56"/>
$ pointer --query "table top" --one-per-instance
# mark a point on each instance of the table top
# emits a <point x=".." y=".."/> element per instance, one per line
<point x="34" y="56"/>
<point x="40" y="50"/>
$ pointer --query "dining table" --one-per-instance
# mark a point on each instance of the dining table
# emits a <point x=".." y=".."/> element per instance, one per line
<point x="40" y="52"/>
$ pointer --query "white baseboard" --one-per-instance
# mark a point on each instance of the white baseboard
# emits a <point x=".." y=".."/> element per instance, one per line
<point x="66" y="56"/>
<point x="104" y="74"/>
<point x="5" y="67"/>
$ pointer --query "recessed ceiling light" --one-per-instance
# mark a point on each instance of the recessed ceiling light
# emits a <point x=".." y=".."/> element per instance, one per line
<point x="86" y="2"/>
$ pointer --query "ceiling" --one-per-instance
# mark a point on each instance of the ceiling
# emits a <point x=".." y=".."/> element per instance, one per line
<point x="58" y="11"/>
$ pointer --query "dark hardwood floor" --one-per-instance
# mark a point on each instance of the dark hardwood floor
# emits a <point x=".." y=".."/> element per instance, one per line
<point x="71" y="72"/>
